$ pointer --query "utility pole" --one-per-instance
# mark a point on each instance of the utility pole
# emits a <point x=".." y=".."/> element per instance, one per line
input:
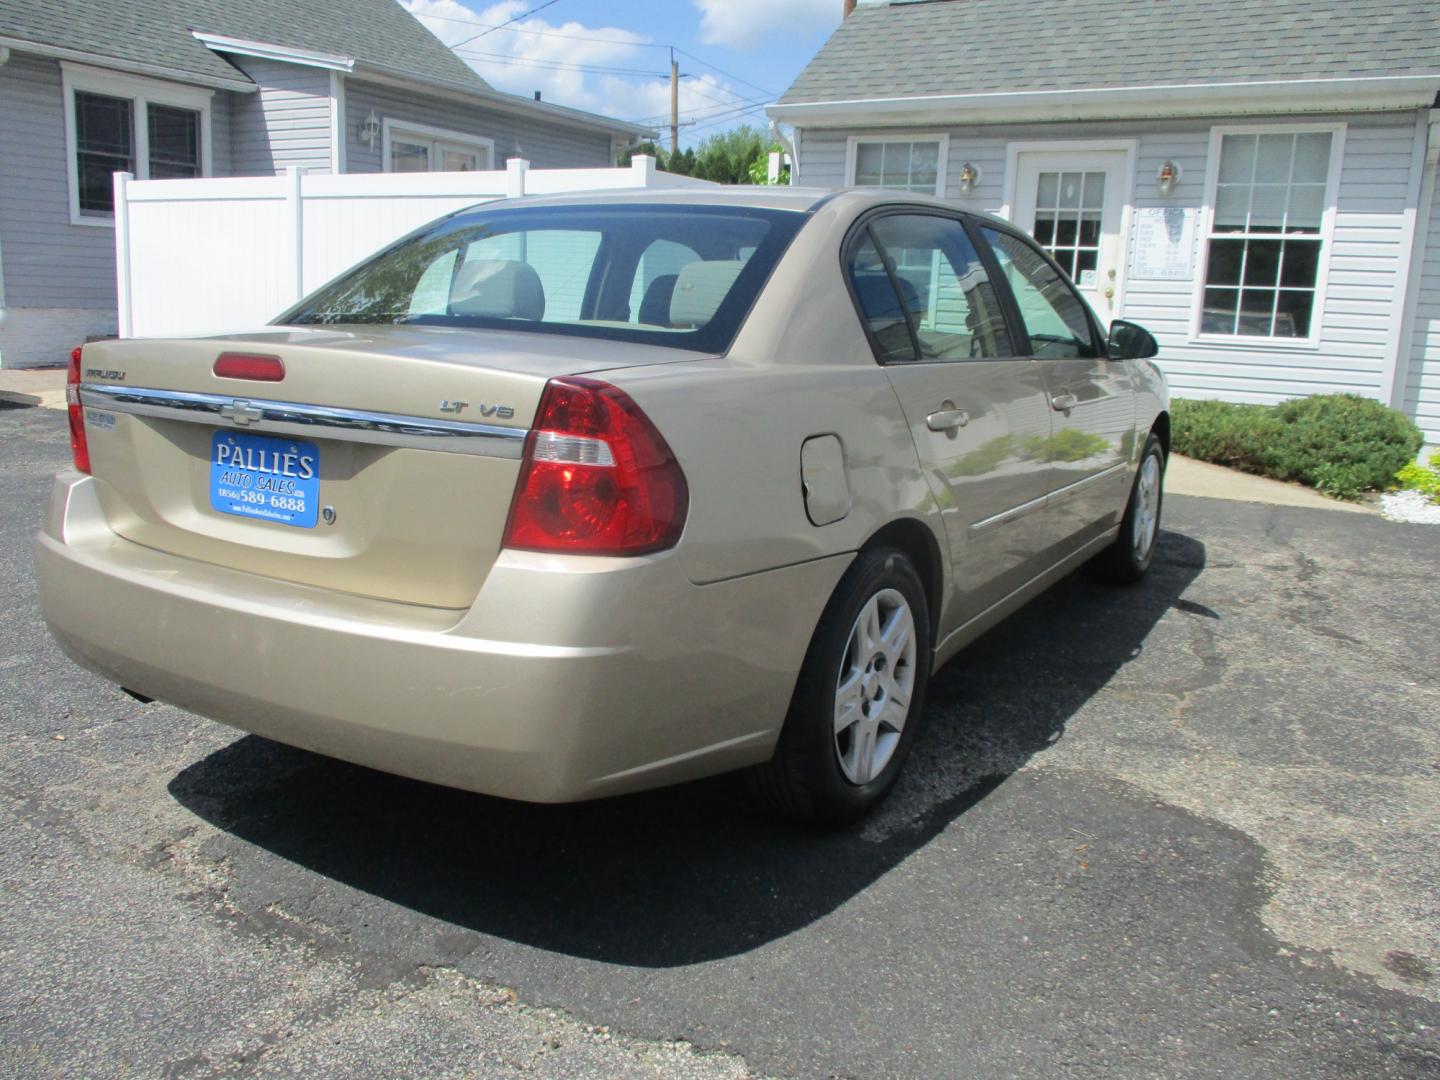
<point x="674" y="104"/>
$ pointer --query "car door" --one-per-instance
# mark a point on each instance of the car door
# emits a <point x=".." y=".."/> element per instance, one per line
<point x="1091" y="398"/>
<point x="978" y="413"/>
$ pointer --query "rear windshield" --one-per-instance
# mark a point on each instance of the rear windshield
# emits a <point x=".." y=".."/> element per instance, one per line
<point x="665" y="275"/>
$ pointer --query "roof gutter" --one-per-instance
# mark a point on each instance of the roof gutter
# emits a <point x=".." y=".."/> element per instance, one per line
<point x="393" y="76"/>
<point x="266" y="51"/>
<point x="238" y="85"/>
<point x="1370" y="94"/>
<point x="512" y="103"/>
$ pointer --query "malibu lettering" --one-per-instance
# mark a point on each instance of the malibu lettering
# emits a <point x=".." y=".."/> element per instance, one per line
<point x="273" y="462"/>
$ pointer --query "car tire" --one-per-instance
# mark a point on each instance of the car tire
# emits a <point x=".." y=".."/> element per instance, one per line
<point x="1125" y="561"/>
<point x="858" y="699"/>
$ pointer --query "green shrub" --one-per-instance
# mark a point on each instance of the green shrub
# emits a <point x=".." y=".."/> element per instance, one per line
<point x="1342" y="444"/>
<point x="1417" y="477"/>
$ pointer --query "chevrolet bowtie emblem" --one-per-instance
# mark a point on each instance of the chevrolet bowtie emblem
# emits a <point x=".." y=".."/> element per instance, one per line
<point x="242" y="412"/>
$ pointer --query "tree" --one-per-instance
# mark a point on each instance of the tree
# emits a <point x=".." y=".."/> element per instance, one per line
<point x="737" y="156"/>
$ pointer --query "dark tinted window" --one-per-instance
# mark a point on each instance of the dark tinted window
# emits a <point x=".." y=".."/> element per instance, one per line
<point x="1053" y="313"/>
<point x="942" y="285"/>
<point x="575" y="270"/>
<point x="879" y="303"/>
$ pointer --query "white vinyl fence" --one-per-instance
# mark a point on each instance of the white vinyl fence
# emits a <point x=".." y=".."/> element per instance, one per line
<point x="215" y="255"/>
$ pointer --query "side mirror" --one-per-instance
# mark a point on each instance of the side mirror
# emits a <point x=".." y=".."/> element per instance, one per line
<point x="1130" y="341"/>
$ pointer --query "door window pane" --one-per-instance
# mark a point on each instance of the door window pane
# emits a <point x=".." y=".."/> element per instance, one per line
<point x="104" y="145"/>
<point x="174" y="142"/>
<point x="1068" y="211"/>
<point x="879" y="303"/>
<point x="945" y="287"/>
<point x="1053" y="313"/>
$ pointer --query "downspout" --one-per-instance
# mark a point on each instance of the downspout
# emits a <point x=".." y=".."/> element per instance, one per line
<point x="4" y="59"/>
<point x="1420" y="238"/>
<point x="789" y="148"/>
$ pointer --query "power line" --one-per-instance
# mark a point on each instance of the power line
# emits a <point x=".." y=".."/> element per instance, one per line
<point x="507" y="22"/>
<point x="542" y="33"/>
<point x="559" y="65"/>
<point x="727" y="74"/>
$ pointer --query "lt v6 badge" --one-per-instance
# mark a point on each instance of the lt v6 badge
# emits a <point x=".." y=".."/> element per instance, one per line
<point x="500" y="412"/>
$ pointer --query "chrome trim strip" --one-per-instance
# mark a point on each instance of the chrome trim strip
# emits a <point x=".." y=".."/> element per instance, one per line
<point x="295" y="419"/>
<point x="1035" y="504"/>
<point x="1095" y="478"/>
<point x="1008" y="515"/>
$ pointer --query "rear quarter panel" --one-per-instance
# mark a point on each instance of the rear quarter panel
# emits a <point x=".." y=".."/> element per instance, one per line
<point x="801" y="366"/>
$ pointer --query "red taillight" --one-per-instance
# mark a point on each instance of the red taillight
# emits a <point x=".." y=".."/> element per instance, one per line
<point x="234" y="365"/>
<point x="598" y="478"/>
<point x="79" y="448"/>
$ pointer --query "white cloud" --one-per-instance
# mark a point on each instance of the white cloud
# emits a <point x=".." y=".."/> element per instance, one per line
<point x="534" y="54"/>
<point x="742" y="24"/>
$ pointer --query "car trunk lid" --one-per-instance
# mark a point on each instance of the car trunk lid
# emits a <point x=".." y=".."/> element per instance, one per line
<point x="382" y="464"/>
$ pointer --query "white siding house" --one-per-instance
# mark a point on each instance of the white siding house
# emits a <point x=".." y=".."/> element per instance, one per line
<point x="1260" y="175"/>
<point x="165" y="89"/>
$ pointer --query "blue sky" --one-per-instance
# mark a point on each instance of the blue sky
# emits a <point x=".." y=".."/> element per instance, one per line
<point x="611" y="56"/>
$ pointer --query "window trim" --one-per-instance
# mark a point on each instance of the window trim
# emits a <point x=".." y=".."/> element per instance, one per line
<point x="852" y="149"/>
<point x="392" y="128"/>
<point x="1326" y="236"/>
<point x="141" y="93"/>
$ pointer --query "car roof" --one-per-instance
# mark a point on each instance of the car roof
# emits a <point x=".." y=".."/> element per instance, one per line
<point x="799" y="199"/>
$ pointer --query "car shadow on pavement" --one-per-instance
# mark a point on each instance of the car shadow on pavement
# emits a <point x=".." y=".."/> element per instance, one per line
<point x="686" y="874"/>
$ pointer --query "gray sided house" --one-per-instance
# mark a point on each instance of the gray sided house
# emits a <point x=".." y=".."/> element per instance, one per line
<point x="1253" y="180"/>
<point x="169" y="88"/>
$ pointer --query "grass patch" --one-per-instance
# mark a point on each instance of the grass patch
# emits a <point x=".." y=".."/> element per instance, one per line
<point x="1340" y="444"/>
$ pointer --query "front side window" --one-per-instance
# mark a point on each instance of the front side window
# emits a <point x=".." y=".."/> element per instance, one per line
<point x="1053" y="313"/>
<point x="1264" y="247"/>
<point x="919" y="274"/>
<point x="665" y="275"/>
<point x="901" y="165"/>
<point x="104" y="145"/>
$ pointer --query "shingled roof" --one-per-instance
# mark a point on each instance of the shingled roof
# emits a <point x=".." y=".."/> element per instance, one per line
<point x="915" y="48"/>
<point x="158" y="33"/>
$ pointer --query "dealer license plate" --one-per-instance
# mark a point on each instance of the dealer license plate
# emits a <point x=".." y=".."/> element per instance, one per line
<point x="256" y="476"/>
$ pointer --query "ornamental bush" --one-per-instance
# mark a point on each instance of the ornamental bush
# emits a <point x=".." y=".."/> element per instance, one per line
<point x="1421" y="478"/>
<point x="1341" y="444"/>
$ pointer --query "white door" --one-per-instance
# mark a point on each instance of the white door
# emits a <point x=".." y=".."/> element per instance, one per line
<point x="1072" y="203"/>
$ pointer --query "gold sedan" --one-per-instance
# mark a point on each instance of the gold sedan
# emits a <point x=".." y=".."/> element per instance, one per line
<point x="564" y="497"/>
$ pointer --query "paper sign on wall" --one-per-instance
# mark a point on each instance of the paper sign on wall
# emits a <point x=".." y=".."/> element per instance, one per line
<point x="1164" y="243"/>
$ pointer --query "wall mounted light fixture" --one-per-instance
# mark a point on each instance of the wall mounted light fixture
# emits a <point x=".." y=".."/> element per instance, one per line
<point x="1167" y="177"/>
<point x="370" y="129"/>
<point x="968" y="178"/>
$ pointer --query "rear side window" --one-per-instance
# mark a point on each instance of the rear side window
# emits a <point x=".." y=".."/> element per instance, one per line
<point x="924" y="293"/>
<point x="1053" y="313"/>
<point x="657" y="274"/>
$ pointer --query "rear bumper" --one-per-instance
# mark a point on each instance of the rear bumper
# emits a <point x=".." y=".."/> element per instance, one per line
<point x="568" y="678"/>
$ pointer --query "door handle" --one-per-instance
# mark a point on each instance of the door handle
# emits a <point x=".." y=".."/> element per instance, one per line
<point x="1063" y="401"/>
<point x="947" y="419"/>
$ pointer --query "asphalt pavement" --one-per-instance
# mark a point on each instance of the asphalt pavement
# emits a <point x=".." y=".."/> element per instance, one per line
<point x="1184" y="829"/>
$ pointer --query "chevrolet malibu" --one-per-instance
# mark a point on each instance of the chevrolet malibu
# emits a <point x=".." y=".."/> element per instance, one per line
<point x="559" y="498"/>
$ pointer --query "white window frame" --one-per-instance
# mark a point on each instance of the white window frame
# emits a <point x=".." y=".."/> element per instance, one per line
<point x="392" y="128"/>
<point x="854" y="142"/>
<point x="142" y="93"/>
<point x="1243" y="342"/>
